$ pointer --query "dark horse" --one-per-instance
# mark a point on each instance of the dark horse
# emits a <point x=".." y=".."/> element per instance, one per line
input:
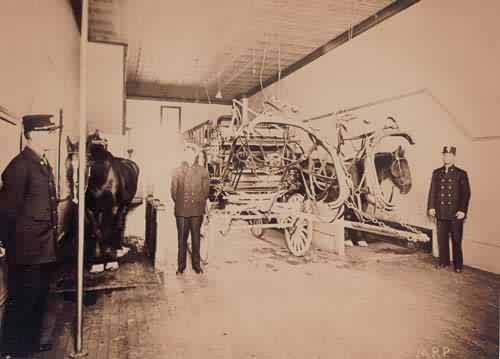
<point x="392" y="166"/>
<point x="110" y="187"/>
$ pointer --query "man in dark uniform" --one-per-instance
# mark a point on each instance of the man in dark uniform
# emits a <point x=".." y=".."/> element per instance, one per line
<point x="28" y="217"/>
<point x="189" y="190"/>
<point x="448" y="201"/>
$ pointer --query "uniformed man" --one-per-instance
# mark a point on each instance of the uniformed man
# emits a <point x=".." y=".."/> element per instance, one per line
<point x="28" y="215"/>
<point x="189" y="189"/>
<point x="448" y="201"/>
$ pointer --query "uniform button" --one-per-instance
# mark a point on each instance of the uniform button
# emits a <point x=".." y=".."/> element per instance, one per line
<point x="449" y="187"/>
<point x="449" y="202"/>
<point x="442" y="187"/>
<point x="442" y="202"/>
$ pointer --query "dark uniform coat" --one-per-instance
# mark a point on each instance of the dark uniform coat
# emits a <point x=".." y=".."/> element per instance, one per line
<point x="189" y="190"/>
<point x="28" y="207"/>
<point x="449" y="192"/>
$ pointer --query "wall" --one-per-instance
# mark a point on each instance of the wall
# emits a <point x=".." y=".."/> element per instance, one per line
<point x="39" y="73"/>
<point x="155" y="147"/>
<point x="40" y="63"/>
<point x="434" y="65"/>
<point x="10" y="141"/>
<point x="156" y="151"/>
<point x="105" y="87"/>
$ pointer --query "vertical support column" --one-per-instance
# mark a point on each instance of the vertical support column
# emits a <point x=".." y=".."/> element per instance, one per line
<point x="244" y="110"/>
<point x="82" y="179"/>
<point x="435" y="248"/>
<point x="166" y="240"/>
<point x="339" y="236"/>
<point x="59" y="138"/>
<point x="328" y="236"/>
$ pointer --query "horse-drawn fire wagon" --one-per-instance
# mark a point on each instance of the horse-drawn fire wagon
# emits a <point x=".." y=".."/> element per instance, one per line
<point x="276" y="171"/>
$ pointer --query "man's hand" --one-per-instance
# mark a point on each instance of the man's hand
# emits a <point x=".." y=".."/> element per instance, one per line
<point x="2" y="252"/>
<point x="460" y="215"/>
<point x="432" y="212"/>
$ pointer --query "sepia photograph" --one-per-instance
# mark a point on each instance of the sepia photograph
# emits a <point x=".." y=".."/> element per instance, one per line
<point x="249" y="179"/>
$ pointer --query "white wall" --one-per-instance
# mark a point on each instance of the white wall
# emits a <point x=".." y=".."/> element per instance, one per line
<point x="39" y="73"/>
<point x="156" y="151"/>
<point x="40" y="62"/>
<point x="10" y="142"/>
<point x="449" y="49"/>
<point x="155" y="147"/>
<point x="105" y="87"/>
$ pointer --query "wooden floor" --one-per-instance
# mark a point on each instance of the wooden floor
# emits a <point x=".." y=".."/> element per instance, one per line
<point x="256" y="301"/>
<point x="113" y="313"/>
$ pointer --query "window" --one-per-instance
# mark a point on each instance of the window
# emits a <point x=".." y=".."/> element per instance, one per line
<point x="171" y="118"/>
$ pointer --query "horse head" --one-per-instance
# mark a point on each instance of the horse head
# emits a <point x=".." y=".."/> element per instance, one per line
<point x="98" y="166"/>
<point x="400" y="170"/>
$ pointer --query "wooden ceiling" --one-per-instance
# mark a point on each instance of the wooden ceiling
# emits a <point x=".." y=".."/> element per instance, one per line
<point x="191" y="49"/>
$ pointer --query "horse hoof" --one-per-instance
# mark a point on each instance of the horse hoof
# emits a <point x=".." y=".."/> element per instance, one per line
<point x="97" y="268"/>
<point x="112" y="266"/>
<point x="122" y="252"/>
<point x="362" y="244"/>
<point x="348" y="243"/>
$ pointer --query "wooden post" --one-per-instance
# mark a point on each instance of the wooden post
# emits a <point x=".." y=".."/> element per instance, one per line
<point x="340" y="236"/>
<point x="435" y="248"/>
<point x="79" y="352"/>
<point x="244" y="110"/>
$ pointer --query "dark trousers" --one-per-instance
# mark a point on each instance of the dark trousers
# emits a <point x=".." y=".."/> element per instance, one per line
<point x="445" y="228"/>
<point x="185" y="225"/>
<point x="26" y="308"/>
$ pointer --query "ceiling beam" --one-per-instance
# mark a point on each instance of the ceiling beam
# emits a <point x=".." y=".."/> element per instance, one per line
<point x="375" y="19"/>
<point x="213" y="101"/>
<point x="76" y="6"/>
<point x="7" y="120"/>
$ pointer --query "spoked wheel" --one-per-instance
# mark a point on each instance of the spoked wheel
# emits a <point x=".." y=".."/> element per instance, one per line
<point x="257" y="232"/>
<point x="298" y="235"/>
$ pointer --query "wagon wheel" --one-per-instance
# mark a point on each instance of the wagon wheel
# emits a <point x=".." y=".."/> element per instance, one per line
<point x="257" y="232"/>
<point x="298" y="236"/>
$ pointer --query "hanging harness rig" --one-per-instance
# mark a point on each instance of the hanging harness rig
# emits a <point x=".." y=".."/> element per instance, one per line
<point x="371" y="188"/>
<point x="269" y="179"/>
<point x="250" y="152"/>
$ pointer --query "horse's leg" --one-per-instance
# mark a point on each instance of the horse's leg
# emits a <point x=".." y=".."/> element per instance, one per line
<point x="93" y="237"/>
<point x="120" y="225"/>
<point x="106" y="233"/>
